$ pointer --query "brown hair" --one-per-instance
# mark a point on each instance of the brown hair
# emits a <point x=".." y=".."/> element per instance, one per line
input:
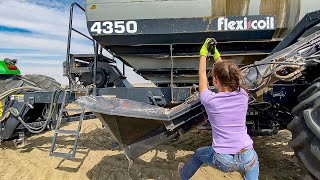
<point x="229" y="75"/>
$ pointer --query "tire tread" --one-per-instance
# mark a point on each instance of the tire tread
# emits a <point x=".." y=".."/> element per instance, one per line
<point x="305" y="139"/>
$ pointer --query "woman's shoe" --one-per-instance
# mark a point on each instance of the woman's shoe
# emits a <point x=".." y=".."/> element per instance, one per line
<point x="180" y="166"/>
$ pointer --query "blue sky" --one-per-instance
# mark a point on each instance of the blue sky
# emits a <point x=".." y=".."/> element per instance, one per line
<point x="35" y="33"/>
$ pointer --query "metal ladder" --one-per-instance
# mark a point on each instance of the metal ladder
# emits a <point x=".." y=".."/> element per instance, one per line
<point x="70" y="155"/>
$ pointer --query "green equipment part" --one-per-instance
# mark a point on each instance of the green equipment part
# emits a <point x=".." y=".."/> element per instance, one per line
<point x="8" y="66"/>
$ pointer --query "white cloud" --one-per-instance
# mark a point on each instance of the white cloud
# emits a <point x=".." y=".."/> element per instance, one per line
<point x="38" y="42"/>
<point x="47" y="43"/>
<point x="24" y="62"/>
<point x="39" y="19"/>
<point x="28" y="55"/>
<point x="49" y="27"/>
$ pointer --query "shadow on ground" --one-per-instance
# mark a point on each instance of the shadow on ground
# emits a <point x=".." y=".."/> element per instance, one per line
<point x="96" y="139"/>
<point x="274" y="155"/>
<point x="113" y="167"/>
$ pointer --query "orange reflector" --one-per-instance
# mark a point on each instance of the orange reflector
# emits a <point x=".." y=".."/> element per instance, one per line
<point x="12" y="67"/>
<point x="93" y="7"/>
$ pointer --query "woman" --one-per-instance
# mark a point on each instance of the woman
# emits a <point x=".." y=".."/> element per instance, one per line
<point x="232" y="148"/>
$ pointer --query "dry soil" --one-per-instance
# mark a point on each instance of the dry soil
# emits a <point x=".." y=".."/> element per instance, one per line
<point x="99" y="157"/>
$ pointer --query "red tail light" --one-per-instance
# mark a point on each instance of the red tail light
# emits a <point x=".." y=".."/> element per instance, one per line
<point x="12" y="67"/>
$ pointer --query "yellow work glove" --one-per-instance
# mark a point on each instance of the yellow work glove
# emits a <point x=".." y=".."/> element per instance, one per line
<point x="204" y="50"/>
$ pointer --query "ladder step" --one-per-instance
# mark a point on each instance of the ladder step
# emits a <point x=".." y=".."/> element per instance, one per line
<point x="69" y="155"/>
<point x="62" y="155"/>
<point x="66" y="132"/>
<point x="71" y="110"/>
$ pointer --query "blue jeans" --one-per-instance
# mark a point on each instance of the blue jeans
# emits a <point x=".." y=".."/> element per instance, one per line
<point x="246" y="162"/>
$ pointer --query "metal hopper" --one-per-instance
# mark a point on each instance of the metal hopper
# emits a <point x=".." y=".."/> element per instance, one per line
<point x="139" y="127"/>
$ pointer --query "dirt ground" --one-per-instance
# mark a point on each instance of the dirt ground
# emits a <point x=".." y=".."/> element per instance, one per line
<point x="99" y="157"/>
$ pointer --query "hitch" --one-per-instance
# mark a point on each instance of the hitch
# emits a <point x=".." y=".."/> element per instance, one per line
<point x="21" y="141"/>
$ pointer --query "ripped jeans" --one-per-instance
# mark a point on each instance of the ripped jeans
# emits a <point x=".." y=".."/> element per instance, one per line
<point x="246" y="163"/>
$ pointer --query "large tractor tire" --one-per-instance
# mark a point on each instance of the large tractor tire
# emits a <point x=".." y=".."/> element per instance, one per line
<point x="305" y="129"/>
<point x="44" y="82"/>
<point x="8" y="82"/>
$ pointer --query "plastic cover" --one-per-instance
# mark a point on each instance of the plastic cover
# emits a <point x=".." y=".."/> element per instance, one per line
<point x="129" y="108"/>
<point x="122" y="107"/>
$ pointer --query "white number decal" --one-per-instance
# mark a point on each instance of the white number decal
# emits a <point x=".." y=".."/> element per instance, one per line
<point x="119" y="27"/>
<point x="109" y="27"/>
<point x="132" y="27"/>
<point x="96" y="27"/>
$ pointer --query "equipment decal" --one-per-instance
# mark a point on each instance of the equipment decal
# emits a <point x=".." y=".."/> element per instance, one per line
<point x="224" y="23"/>
<point x="183" y="25"/>
<point x="118" y="27"/>
<point x="18" y="97"/>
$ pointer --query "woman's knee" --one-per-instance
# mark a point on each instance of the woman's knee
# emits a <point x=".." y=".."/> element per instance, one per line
<point x="203" y="151"/>
<point x="203" y="155"/>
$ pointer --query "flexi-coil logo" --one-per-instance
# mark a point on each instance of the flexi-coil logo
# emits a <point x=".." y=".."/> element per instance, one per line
<point x="246" y="23"/>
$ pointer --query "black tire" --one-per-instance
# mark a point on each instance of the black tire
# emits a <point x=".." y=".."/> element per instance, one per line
<point x="101" y="78"/>
<point x="305" y="129"/>
<point x="44" y="82"/>
<point x="8" y="82"/>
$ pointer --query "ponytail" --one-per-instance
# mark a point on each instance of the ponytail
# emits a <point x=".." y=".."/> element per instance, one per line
<point x="229" y="75"/>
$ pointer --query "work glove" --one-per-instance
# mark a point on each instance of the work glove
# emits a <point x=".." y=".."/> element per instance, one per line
<point x="210" y="46"/>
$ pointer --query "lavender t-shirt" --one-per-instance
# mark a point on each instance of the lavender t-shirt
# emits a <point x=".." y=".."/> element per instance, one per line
<point x="227" y="116"/>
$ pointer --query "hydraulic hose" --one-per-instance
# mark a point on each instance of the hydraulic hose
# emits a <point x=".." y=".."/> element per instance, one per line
<point x="16" y="113"/>
<point x="31" y="129"/>
<point x="12" y="91"/>
<point x="264" y="76"/>
<point x="15" y="90"/>
<point x="290" y="75"/>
